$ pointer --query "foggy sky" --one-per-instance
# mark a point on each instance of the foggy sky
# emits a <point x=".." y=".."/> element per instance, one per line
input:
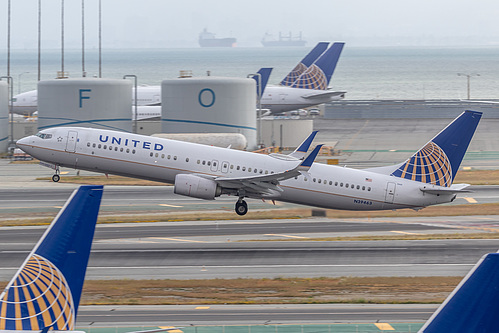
<point x="167" y="23"/>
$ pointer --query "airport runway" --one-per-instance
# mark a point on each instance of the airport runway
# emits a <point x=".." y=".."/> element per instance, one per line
<point x="187" y="315"/>
<point x="220" y="249"/>
<point x="123" y="199"/>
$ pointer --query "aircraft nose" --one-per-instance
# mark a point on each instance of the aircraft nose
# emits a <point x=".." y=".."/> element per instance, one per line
<point x="23" y="143"/>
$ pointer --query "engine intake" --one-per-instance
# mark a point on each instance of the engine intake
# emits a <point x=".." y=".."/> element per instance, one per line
<point x="197" y="187"/>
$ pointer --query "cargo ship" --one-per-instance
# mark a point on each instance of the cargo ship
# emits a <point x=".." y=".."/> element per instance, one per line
<point x="284" y="40"/>
<point x="208" y="39"/>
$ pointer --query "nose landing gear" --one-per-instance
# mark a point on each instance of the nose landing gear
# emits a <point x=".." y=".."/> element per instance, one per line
<point x="241" y="207"/>
<point x="56" y="177"/>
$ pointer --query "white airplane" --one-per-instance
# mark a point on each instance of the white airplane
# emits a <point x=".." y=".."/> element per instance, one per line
<point x="472" y="306"/>
<point x="310" y="87"/>
<point x="27" y="102"/>
<point x="206" y="172"/>
<point x="45" y="292"/>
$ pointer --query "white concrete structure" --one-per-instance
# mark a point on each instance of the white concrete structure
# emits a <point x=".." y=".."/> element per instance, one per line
<point x="87" y="102"/>
<point x="285" y="132"/>
<point x="210" y="105"/>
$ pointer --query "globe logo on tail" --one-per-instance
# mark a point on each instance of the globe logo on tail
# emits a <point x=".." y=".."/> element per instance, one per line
<point x="429" y="165"/>
<point x="294" y="75"/>
<point x="38" y="298"/>
<point x="313" y="78"/>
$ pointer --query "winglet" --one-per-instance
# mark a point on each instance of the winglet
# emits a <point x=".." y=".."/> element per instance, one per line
<point x="472" y="306"/>
<point x="302" y="149"/>
<point x="46" y="290"/>
<point x="309" y="160"/>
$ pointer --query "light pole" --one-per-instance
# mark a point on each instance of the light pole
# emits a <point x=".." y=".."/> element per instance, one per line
<point x="468" y="77"/>
<point x="19" y="82"/>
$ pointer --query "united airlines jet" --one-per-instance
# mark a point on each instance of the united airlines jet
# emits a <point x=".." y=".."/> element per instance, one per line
<point x="207" y="172"/>
<point x="310" y="87"/>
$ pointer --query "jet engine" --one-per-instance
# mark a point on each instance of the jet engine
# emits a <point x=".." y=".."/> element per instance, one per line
<point x="197" y="187"/>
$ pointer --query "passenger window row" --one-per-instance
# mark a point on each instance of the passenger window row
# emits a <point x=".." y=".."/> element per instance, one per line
<point x="340" y="184"/>
<point x="115" y="148"/>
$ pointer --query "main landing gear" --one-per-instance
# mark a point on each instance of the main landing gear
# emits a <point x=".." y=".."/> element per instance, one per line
<point x="241" y="207"/>
<point x="56" y="177"/>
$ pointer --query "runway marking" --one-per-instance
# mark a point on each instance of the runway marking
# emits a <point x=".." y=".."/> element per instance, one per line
<point x="177" y="239"/>
<point x="384" y="327"/>
<point x="470" y="200"/>
<point x="171" y="329"/>
<point x="290" y="236"/>
<point x="167" y="205"/>
<point x="202" y="307"/>
<point x="406" y="233"/>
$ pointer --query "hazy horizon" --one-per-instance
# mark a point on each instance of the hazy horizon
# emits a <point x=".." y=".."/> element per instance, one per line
<point x="168" y="24"/>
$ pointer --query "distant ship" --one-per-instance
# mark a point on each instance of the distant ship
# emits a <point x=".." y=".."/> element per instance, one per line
<point x="208" y="39"/>
<point x="284" y="40"/>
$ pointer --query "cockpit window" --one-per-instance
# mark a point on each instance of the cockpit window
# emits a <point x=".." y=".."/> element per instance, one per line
<point x="44" y="135"/>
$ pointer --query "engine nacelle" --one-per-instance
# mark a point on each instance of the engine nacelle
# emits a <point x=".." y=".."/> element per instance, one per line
<point x="197" y="187"/>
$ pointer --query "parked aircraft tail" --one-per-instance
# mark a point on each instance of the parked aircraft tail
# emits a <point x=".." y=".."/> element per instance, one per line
<point x="45" y="292"/>
<point x="318" y="75"/>
<point x="264" y="78"/>
<point x="304" y="64"/>
<point x="438" y="161"/>
<point x="472" y="306"/>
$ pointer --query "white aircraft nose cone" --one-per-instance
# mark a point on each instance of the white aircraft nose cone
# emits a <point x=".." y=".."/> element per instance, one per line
<point x="22" y="143"/>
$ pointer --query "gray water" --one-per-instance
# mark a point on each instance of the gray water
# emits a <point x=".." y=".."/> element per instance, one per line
<point x="365" y="73"/>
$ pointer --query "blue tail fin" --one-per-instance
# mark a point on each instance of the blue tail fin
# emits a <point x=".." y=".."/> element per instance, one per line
<point x="438" y="161"/>
<point x="304" y="64"/>
<point x="264" y="78"/>
<point x="473" y="305"/>
<point x="301" y="151"/>
<point x="46" y="290"/>
<point x="318" y="75"/>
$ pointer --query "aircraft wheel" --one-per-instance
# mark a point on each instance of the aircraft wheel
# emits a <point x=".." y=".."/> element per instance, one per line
<point x="56" y="178"/>
<point x="241" y="207"/>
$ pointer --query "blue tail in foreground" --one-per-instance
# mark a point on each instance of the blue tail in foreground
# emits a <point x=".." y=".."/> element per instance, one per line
<point x="45" y="292"/>
<point x="302" y="66"/>
<point x="473" y="305"/>
<point x="438" y="161"/>
<point x="318" y="75"/>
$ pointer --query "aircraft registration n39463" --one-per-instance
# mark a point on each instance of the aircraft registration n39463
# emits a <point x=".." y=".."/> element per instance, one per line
<point x="207" y="172"/>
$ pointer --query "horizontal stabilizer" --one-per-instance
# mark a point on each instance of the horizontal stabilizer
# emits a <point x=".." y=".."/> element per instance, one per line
<point x="473" y="305"/>
<point x="437" y="190"/>
<point x="324" y="93"/>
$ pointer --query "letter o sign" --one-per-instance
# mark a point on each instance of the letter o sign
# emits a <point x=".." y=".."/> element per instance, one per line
<point x="206" y="97"/>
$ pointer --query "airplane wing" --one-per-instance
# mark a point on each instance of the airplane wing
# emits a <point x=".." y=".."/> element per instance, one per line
<point x="266" y="185"/>
<point x="302" y="149"/>
<point x="324" y="93"/>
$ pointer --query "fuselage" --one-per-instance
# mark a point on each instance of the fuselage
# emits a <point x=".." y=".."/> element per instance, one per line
<point x="158" y="159"/>
<point x="282" y="99"/>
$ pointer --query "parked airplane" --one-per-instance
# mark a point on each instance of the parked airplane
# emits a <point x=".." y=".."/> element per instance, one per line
<point x="45" y="293"/>
<point x="207" y="172"/>
<point x="472" y="306"/>
<point x="309" y="89"/>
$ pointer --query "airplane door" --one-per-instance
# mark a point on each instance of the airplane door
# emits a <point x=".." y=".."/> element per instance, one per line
<point x="390" y="192"/>
<point x="225" y="167"/>
<point x="71" y="142"/>
<point x="214" y="165"/>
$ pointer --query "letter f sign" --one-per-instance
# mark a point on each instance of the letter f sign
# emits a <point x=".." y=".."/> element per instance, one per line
<point x="82" y="96"/>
